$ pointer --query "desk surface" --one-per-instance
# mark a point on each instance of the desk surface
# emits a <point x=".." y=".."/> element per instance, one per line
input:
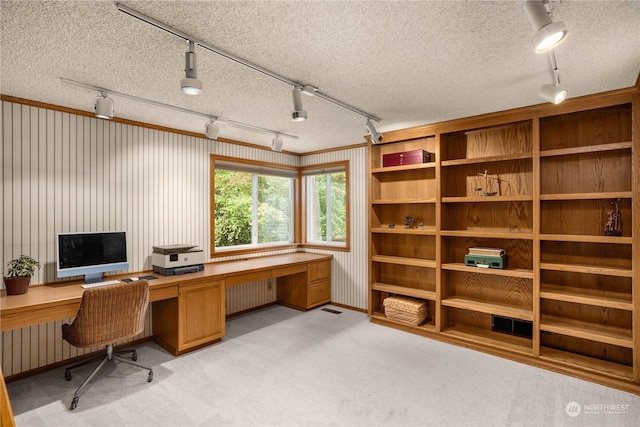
<point x="50" y="302"/>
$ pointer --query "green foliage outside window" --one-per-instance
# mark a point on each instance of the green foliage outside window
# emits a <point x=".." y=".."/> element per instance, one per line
<point x="234" y="219"/>
<point x="233" y="200"/>
<point x="337" y="211"/>
<point x="274" y="209"/>
<point x="339" y="207"/>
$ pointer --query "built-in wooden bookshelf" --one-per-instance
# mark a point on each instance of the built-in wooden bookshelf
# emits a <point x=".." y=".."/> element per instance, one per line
<point x="538" y="182"/>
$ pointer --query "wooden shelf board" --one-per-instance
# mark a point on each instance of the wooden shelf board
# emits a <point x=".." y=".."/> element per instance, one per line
<point x="427" y="231"/>
<point x="587" y="196"/>
<point x="589" y="363"/>
<point x="586" y="239"/>
<point x="588" y="269"/>
<point x="419" y="166"/>
<point x="616" y="300"/>
<point x="491" y="339"/>
<point x="427" y="326"/>
<point x="509" y="272"/>
<point x="586" y="149"/>
<point x="506" y="157"/>
<point x="589" y="331"/>
<point x="489" y="308"/>
<point x="490" y="199"/>
<point x="487" y="234"/>
<point x="415" y="262"/>
<point x="402" y="201"/>
<point x="403" y="290"/>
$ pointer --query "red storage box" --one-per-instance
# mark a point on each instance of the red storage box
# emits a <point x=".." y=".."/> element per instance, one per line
<point x="406" y="158"/>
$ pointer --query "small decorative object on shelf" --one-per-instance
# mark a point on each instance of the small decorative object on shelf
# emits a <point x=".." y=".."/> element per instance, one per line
<point x="613" y="226"/>
<point x="487" y="184"/>
<point x="392" y="226"/>
<point x="412" y="157"/>
<point x="421" y="226"/>
<point x="486" y="257"/>
<point x="408" y="221"/>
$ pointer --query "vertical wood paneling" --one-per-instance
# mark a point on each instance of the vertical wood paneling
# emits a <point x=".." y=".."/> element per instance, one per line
<point x="62" y="172"/>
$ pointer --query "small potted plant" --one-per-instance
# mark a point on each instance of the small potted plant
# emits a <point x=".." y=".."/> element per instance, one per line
<point x="19" y="274"/>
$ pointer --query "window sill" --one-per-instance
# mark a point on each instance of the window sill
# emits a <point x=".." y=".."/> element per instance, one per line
<point x="219" y="253"/>
<point x="326" y="246"/>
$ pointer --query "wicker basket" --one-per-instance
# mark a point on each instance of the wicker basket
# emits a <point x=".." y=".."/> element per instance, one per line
<point x="412" y="311"/>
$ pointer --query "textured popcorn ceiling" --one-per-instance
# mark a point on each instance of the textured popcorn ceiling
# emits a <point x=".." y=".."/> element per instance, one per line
<point x="409" y="63"/>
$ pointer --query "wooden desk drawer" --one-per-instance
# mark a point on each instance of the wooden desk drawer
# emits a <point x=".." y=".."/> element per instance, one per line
<point x="286" y="271"/>
<point x="319" y="271"/>
<point x="247" y="277"/>
<point x="319" y="294"/>
<point x="157" y="294"/>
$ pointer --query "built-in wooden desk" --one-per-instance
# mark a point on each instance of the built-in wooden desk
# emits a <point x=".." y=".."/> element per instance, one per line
<point x="188" y="310"/>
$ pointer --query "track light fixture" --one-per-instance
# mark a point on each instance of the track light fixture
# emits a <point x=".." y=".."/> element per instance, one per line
<point x="105" y="104"/>
<point x="376" y="136"/>
<point x="276" y="144"/>
<point x="549" y="34"/>
<point x="190" y="84"/>
<point x="103" y="107"/>
<point x="211" y="130"/>
<point x="298" y="114"/>
<point x="553" y="93"/>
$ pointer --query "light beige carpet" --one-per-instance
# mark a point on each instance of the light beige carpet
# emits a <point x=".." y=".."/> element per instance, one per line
<point x="280" y="367"/>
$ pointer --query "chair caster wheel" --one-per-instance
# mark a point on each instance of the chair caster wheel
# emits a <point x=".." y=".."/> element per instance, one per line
<point x="74" y="403"/>
<point x="134" y="356"/>
<point x="67" y="376"/>
<point x="150" y="377"/>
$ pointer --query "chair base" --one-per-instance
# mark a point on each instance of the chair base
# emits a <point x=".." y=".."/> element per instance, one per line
<point x="110" y="356"/>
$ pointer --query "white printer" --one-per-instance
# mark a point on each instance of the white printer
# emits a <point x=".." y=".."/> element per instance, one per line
<point x="177" y="259"/>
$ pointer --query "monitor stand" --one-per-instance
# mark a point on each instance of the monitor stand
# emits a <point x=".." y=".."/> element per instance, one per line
<point x="93" y="278"/>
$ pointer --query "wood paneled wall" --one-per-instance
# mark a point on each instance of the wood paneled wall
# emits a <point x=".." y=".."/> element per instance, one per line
<point x="66" y="172"/>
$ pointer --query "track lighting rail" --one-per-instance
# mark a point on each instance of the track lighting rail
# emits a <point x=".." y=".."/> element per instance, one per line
<point x="161" y="25"/>
<point x="224" y="120"/>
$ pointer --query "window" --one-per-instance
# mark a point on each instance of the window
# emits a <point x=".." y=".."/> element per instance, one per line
<point x="253" y="205"/>
<point x="327" y="205"/>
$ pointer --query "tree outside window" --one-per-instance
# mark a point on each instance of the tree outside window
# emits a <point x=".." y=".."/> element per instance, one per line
<point x="327" y="208"/>
<point x="252" y="206"/>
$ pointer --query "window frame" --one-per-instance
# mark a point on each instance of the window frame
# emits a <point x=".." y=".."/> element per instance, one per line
<point x="295" y="202"/>
<point x="308" y="171"/>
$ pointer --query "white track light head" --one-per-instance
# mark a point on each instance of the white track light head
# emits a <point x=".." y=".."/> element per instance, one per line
<point x="298" y="114"/>
<point x="375" y="135"/>
<point x="190" y="84"/>
<point x="549" y="34"/>
<point x="553" y="93"/>
<point x="211" y="130"/>
<point x="104" y="107"/>
<point x="276" y="144"/>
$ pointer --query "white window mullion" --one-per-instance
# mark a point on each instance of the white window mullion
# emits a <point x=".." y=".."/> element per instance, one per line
<point x="254" y="210"/>
<point x="291" y="211"/>
<point x="328" y="210"/>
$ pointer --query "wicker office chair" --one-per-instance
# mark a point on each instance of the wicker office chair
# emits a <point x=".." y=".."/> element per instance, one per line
<point x="107" y="315"/>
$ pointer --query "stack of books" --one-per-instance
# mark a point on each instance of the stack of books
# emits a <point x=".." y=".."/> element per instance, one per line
<point x="486" y="257"/>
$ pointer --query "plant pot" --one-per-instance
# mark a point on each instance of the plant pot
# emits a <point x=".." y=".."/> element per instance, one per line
<point x="17" y="285"/>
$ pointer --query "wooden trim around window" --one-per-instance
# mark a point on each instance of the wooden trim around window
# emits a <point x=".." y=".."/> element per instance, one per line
<point x="303" y="208"/>
<point x="262" y="248"/>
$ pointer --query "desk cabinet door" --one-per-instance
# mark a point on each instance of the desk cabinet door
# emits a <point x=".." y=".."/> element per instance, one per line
<point x="202" y="313"/>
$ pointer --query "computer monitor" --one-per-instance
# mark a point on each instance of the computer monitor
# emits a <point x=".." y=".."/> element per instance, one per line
<point x="91" y="254"/>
